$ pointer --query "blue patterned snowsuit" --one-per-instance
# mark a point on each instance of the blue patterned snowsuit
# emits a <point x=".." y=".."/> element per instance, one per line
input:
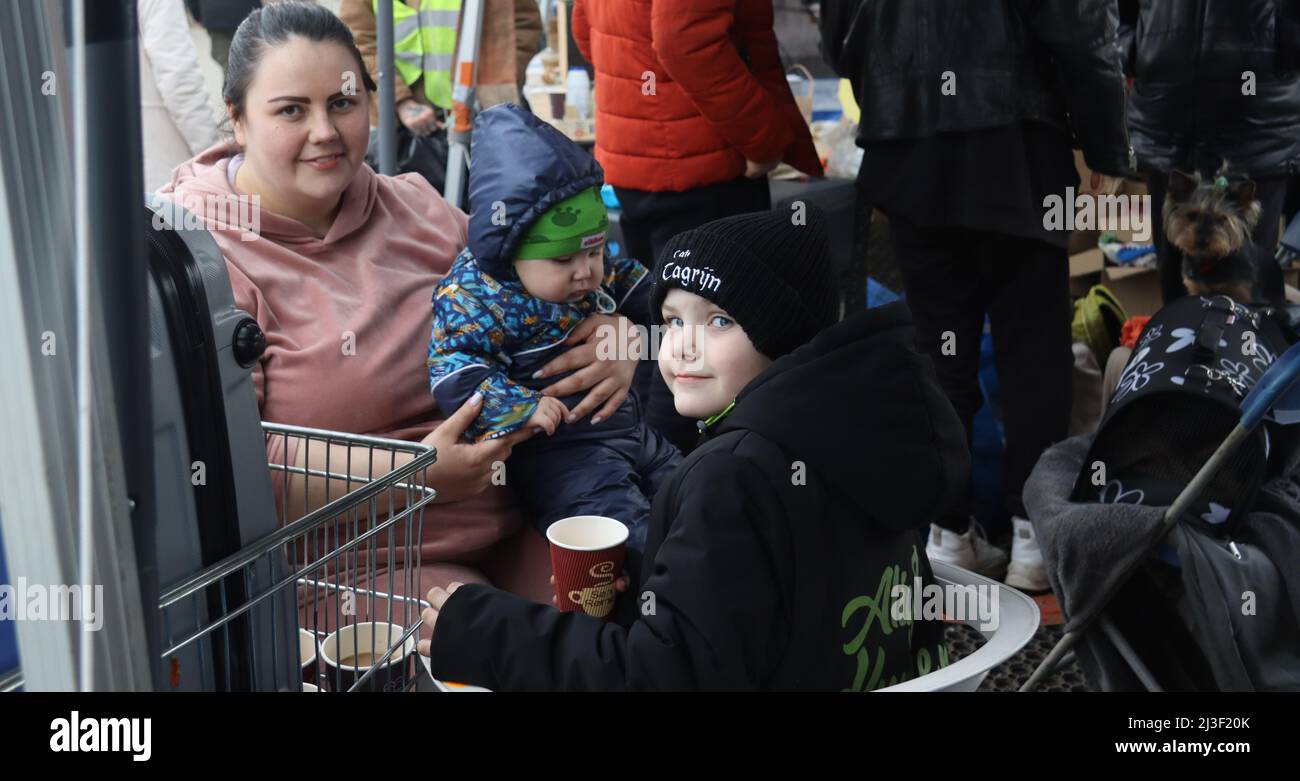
<point x="490" y="335"/>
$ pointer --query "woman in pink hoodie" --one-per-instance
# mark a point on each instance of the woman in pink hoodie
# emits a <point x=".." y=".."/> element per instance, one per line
<point x="338" y="265"/>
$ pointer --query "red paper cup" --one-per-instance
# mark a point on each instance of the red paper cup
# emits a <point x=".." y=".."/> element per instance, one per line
<point x="587" y="554"/>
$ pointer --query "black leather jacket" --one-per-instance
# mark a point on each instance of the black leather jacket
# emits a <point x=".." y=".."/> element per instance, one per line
<point x="922" y="67"/>
<point x="1189" y="59"/>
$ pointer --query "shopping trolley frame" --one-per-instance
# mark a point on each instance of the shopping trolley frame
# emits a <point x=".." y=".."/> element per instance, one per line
<point x="334" y="549"/>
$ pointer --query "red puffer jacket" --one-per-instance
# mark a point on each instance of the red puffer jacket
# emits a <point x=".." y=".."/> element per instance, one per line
<point x="687" y="90"/>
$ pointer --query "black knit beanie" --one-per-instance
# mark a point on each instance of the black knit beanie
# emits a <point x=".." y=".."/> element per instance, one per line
<point x="770" y="270"/>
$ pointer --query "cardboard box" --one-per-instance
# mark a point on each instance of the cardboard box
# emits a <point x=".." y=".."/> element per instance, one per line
<point x="1083" y="241"/>
<point x="1085" y="271"/>
<point x="1137" y="289"/>
<point x="1089" y="262"/>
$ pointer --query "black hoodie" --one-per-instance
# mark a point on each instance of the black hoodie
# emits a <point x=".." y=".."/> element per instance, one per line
<point x="772" y="551"/>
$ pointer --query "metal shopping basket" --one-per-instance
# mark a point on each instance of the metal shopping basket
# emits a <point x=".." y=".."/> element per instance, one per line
<point x="331" y="598"/>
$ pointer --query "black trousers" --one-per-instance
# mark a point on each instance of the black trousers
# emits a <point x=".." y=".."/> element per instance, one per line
<point x="1271" y="192"/>
<point x="953" y="277"/>
<point x="648" y="221"/>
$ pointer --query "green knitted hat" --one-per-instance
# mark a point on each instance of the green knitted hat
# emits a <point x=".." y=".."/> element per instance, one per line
<point x="574" y="224"/>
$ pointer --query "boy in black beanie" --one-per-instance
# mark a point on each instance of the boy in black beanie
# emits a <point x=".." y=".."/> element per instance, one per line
<point x="777" y="549"/>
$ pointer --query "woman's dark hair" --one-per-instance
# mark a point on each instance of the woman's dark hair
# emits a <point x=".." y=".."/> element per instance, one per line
<point x="272" y="25"/>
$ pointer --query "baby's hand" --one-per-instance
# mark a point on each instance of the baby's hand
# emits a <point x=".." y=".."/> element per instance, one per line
<point x="548" y="416"/>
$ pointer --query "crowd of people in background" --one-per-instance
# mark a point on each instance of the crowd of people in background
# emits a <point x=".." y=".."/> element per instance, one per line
<point x="970" y="114"/>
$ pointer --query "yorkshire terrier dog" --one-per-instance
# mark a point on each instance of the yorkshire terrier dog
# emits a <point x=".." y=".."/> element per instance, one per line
<point x="1210" y="222"/>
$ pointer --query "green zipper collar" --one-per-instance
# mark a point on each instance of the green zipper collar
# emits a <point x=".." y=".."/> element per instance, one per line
<point x="705" y="425"/>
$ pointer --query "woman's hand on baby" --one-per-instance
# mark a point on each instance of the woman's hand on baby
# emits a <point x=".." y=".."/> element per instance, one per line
<point x="437" y="597"/>
<point x="464" y="469"/>
<point x="620" y="585"/>
<point x="550" y="413"/>
<point x="609" y="380"/>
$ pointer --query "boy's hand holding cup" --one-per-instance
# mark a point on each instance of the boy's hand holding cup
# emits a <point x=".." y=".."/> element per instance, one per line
<point x="621" y="585"/>
<point x="587" y="555"/>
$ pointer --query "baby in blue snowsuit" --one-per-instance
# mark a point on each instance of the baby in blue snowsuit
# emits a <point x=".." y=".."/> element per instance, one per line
<point x="535" y="268"/>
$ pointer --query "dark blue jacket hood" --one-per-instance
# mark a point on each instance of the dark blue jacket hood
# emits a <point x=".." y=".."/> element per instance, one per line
<point x="527" y="166"/>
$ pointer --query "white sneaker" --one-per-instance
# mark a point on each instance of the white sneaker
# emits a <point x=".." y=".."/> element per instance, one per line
<point x="971" y="550"/>
<point x="1026" y="571"/>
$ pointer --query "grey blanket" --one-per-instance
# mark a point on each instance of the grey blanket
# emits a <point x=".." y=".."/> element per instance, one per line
<point x="1240" y="604"/>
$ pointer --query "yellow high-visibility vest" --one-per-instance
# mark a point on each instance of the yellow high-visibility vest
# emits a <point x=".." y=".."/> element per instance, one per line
<point x="424" y="45"/>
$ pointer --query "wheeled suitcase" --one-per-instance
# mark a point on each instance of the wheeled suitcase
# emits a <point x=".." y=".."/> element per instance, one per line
<point x="213" y="487"/>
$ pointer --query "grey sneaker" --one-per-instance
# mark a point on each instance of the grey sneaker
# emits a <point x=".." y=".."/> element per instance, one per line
<point x="970" y="550"/>
<point x="1026" y="571"/>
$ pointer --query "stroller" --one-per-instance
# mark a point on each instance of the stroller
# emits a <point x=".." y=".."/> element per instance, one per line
<point x="1172" y="535"/>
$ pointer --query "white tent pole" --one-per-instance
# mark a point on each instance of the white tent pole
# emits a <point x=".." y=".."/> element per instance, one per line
<point x="85" y="477"/>
<point x="464" y="78"/>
